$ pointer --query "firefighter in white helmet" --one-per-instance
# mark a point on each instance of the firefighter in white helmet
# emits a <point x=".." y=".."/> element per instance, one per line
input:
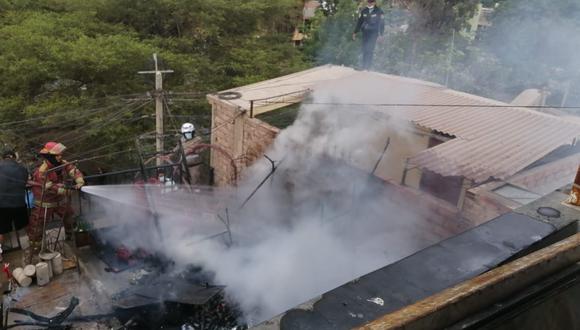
<point x="189" y="141"/>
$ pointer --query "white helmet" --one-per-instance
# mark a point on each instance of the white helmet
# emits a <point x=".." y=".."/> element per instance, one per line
<point x="188" y="131"/>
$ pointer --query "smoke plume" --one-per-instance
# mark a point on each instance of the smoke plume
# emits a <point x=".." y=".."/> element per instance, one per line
<point x="319" y="221"/>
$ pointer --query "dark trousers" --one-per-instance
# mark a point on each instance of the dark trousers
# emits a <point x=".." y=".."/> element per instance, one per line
<point x="368" y="48"/>
<point x="16" y="215"/>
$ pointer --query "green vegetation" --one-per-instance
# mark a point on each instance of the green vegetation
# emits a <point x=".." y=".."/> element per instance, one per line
<point x="531" y="44"/>
<point x="281" y="118"/>
<point x="70" y="66"/>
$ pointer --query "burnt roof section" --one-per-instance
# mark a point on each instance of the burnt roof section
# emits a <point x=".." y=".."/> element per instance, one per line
<point x="421" y="275"/>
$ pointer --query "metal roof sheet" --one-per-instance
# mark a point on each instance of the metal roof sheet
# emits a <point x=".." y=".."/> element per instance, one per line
<point x="492" y="140"/>
<point x="497" y="146"/>
<point x="418" y="276"/>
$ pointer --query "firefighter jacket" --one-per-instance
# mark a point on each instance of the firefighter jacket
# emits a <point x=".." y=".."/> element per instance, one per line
<point x="371" y="21"/>
<point x="189" y="149"/>
<point x="55" y="190"/>
<point x="188" y="145"/>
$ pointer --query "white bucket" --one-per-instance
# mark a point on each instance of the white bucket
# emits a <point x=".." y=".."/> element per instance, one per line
<point x="42" y="275"/>
<point x="23" y="280"/>
<point x="29" y="270"/>
<point x="47" y="258"/>
<point x="57" y="267"/>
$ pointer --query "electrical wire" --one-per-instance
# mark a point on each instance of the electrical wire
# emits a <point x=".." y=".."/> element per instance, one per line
<point x="19" y="123"/>
<point x="107" y="155"/>
<point x="172" y="119"/>
<point x="426" y="105"/>
<point x="81" y="137"/>
<point x="117" y="97"/>
<point x="91" y="151"/>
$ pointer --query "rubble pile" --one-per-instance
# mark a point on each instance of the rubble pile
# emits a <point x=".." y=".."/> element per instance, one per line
<point x="184" y="301"/>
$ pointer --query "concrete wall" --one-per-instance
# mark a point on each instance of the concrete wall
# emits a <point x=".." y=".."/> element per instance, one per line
<point x="242" y="139"/>
<point x="401" y="148"/>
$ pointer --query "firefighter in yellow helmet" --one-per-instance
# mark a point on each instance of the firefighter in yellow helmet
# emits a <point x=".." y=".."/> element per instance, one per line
<point x="54" y="199"/>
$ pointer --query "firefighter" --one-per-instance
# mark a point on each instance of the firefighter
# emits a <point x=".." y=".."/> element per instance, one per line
<point x="371" y="22"/>
<point x="188" y="142"/>
<point x="56" y="191"/>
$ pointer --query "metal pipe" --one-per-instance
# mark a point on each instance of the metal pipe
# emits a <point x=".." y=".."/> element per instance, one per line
<point x="382" y="155"/>
<point x="274" y="167"/>
<point x="405" y="170"/>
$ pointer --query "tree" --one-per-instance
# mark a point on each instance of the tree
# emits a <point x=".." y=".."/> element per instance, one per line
<point x="331" y="39"/>
<point x="439" y="16"/>
<point x="422" y="50"/>
<point x="537" y="43"/>
<point x="72" y="60"/>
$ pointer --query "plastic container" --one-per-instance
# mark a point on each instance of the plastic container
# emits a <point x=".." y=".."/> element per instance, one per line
<point x="23" y="280"/>
<point x="42" y="276"/>
<point x="47" y="258"/>
<point x="57" y="267"/>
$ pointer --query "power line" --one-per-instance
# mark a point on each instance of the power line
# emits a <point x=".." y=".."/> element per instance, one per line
<point x="108" y="155"/>
<point x="77" y="132"/>
<point x="18" y="123"/>
<point x="121" y="97"/>
<point x="417" y="105"/>
<point x="79" y="137"/>
<point x="88" y="152"/>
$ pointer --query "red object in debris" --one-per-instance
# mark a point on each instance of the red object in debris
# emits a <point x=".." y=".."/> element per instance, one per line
<point x="124" y="254"/>
<point x="7" y="271"/>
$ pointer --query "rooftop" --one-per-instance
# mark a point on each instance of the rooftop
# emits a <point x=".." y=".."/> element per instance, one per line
<point x="492" y="139"/>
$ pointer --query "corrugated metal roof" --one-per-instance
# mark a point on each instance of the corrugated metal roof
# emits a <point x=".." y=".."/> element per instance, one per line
<point x="548" y="177"/>
<point x="490" y="141"/>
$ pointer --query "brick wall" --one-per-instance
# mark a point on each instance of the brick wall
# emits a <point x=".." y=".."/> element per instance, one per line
<point x="480" y="206"/>
<point x="258" y="136"/>
<point x="242" y="139"/>
<point x="443" y="219"/>
<point x="245" y="140"/>
<point x="223" y="120"/>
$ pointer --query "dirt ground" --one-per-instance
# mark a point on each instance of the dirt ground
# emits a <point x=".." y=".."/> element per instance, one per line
<point x="53" y="298"/>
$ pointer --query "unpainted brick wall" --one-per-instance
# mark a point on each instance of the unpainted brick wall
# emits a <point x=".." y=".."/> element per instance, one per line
<point x="258" y="137"/>
<point x="480" y="207"/>
<point x="244" y="139"/>
<point x="223" y="118"/>
<point x="444" y="219"/>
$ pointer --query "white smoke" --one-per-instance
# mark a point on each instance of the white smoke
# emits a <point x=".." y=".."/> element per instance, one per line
<point x="320" y="220"/>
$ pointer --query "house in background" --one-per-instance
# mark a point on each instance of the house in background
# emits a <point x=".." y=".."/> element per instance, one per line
<point x="308" y="13"/>
<point x="474" y="156"/>
<point x="481" y="21"/>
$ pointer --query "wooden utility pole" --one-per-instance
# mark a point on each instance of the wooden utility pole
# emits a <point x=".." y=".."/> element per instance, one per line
<point x="158" y="106"/>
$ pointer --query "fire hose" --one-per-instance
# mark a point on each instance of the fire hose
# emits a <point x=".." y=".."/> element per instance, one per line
<point x="50" y="322"/>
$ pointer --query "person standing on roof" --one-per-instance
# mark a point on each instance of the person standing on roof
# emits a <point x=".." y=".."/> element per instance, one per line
<point x="371" y="22"/>
<point x="13" y="209"/>
<point x="189" y="141"/>
<point x="56" y="190"/>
